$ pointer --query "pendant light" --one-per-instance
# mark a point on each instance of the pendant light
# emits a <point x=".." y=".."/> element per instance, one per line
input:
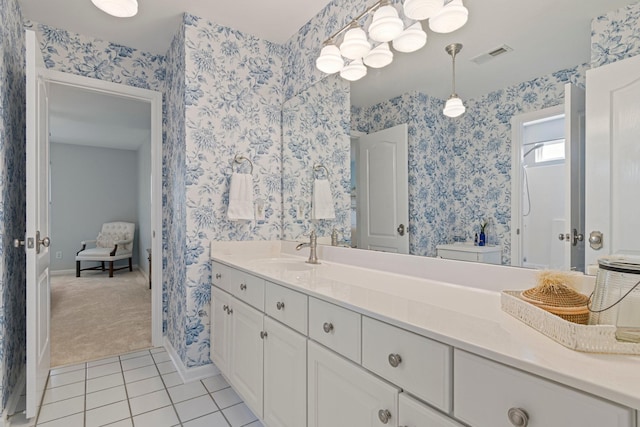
<point x="451" y="17"/>
<point x="386" y="25"/>
<point x="380" y="56"/>
<point x="117" y="8"/>
<point x="422" y="9"/>
<point x="411" y="39"/>
<point x="453" y="106"/>
<point x="355" y="44"/>
<point x="355" y="70"/>
<point x="330" y="61"/>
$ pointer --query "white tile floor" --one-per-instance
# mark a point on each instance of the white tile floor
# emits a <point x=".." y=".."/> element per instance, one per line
<point x="140" y="389"/>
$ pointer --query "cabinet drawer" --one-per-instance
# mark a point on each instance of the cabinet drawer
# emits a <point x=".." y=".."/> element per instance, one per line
<point x="484" y="392"/>
<point x="413" y="413"/>
<point x="286" y="306"/>
<point x="458" y="255"/>
<point x="422" y="366"/>
<point x="248" y="288"/>
<point x="335" y="327"/>
<point x="223" y="276"/>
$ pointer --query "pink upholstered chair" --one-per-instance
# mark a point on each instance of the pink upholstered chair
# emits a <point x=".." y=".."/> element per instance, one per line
<point x="114" y="242"/>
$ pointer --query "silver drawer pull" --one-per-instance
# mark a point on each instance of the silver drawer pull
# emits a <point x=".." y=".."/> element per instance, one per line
<point x="230" y="310"/>
<point x="218" y="275"/>
<point x="327" y="327"/>
<point x="394" y="360"/>
<point x="263" y="334"/>
<point x="225" y="308"/>
<point x="243" y="286"/>
<point x="280" y="305"/>
<point x="518" y="417"/>
<point x="384" y="415"/>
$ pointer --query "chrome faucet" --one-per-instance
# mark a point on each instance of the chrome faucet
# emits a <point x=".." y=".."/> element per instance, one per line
<point x="313" y="243"/>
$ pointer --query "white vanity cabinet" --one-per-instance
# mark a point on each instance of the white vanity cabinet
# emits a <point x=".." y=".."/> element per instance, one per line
<point x="488" y="394"/>
<point x="414" y="413"/>
<point x="220" y="328"/>
<point x="342" y="394"/>
<point x="285" y="376"/>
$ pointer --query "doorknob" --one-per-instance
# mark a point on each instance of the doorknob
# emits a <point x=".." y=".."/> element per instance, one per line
<point x="401" y="229"/>
<point x="17" y="243"/>
<point x="577" y="237"/>
<point x="44" y="242"/>
<point x="595" y="240"/>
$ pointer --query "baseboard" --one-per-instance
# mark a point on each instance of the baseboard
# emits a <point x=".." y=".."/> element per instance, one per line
<point x="189" y="374"/>
<point x="13" y="400"/>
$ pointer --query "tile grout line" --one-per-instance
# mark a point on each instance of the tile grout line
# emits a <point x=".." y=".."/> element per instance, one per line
<point x="166" y="390"/>
<point x="126" y="392"/>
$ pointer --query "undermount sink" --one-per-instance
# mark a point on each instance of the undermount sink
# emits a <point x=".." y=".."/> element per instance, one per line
<point x="284" y="264"/>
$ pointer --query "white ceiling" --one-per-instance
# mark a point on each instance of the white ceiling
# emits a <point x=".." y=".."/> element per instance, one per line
<point x="83" y="117"/>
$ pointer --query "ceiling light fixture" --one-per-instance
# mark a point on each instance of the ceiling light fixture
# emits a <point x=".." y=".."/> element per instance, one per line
<point x="454" y="106"/>
<point x="387" y="25"/>
<point x="117" y="8"/>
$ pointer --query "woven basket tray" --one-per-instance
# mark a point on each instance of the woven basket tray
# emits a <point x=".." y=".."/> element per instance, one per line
<point x="591" y="339"/>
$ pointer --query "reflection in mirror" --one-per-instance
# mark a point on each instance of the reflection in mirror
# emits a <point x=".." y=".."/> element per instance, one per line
<point x="460" y="169"/>
<point x="315" y="147"/>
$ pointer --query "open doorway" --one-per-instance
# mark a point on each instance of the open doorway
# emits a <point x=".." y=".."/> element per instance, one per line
<point x="105" y="166"/>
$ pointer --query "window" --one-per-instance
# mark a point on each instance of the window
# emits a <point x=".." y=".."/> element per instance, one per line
<point x="550" y="151"/>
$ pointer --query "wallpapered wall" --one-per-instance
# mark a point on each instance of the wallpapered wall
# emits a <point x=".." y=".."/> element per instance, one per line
<point x="315" y="131"/>
<point x="233" y="106"/>
<point x="12" y="197"/>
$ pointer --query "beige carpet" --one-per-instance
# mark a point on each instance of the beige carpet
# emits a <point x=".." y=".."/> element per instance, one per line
<point x="95" y="316"/>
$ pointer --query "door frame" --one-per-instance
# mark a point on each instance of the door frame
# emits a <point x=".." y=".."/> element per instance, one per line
<point x="517" y="135"/>
<point x="154" y="98"/>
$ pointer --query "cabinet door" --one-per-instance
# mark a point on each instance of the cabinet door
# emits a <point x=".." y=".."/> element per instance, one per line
<point x="220" y="329"/>
<point x="417" y="414"/>
<point x="342" y="394"/>
<point x="246" y="354"/>
<point x="285" y="376"/>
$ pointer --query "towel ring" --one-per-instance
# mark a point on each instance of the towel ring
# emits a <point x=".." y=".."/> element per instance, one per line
<point x="239" y="159"/>
<point x="318" y="167"/>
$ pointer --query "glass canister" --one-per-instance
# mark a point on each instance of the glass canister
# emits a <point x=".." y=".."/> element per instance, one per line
<point x="616" y="297"/>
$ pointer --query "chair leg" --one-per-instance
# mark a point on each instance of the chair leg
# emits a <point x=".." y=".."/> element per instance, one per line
<point x="77" y="268"/>
<point x="130" y="265"/>
<point x="102" y="265"/>
<point x="110" y="268"/>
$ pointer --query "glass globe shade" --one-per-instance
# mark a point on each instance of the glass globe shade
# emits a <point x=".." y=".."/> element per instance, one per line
<point x="380" y="56"/>
<point x="330" y="61"/>
<point x="422" y="9"/>
<point x="386" y="25"/>
<point x="411" y="39"/>
<point x="355" y="44"/>
<point x="354" y="71"/>
<point x="451" y="17"/>
<point x="454" y="107"/>
<point x="117" y="8"/>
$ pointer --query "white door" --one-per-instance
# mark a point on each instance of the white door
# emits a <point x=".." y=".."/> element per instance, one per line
<point x="342" y="394"/>
<point x="613" y="160"/>
<point x="574" y="123"/>
<point x="285" y="376"/>
<point x="37" y="240"/>
<point x="382" y="191"/>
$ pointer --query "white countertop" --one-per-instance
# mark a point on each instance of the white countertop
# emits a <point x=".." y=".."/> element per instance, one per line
<point x="457" y="303"/>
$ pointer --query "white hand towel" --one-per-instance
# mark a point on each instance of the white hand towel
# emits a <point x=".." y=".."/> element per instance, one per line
<point x="240" y="197"/>
<point x="322" y="200"/>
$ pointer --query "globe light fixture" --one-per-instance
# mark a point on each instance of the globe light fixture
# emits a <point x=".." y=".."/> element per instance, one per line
<point x="353" y="71"/>
<point x="411" y="39"/>
<point x="422" y="9"/>
<point x="330" y="61"/>
<point x="117" y="8"/>
<point x="454" y="106"/>
<point x="380" y="56"/>
<point x="386" y="24"/>
<point x="355" y="44"/>
<point x="450" y="18"/>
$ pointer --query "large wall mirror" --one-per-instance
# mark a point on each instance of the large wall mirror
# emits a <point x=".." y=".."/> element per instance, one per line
<point x="460" y="171"/>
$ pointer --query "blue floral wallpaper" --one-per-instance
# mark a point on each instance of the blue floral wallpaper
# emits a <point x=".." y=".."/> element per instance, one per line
<point x="615" y="35"/>
<point x="459" y="169"/>
<point x="233" y="98"/>
<point x="174" y="196"/>
<point x="315" y="131"/>
<point x="12" y="197"/>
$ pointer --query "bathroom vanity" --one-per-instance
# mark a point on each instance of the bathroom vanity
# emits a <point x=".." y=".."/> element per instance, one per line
<point x="470" y="252"/>
<point x="381" y="339"/>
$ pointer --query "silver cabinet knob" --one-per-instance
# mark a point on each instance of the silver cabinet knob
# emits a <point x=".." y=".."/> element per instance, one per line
<point x="561" y="236"/>
<point x="518" y="417"/>
<point x="225" y="308"/>
<point x="218" y="276"/>
<point x="263" y="334"/>
<point x="327" y="327"/>
<point x="384" y="415"/>
<point x="280" y="305"/>
<point x="243" y="286"/>
<point x="394" y="360"/>
<point x="230" y="310"/>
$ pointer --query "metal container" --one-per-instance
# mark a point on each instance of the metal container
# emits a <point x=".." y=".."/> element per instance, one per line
<point x="616" y="297"/>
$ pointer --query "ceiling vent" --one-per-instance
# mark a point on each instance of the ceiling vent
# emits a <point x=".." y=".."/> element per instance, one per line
<point x="486" y="57"/>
